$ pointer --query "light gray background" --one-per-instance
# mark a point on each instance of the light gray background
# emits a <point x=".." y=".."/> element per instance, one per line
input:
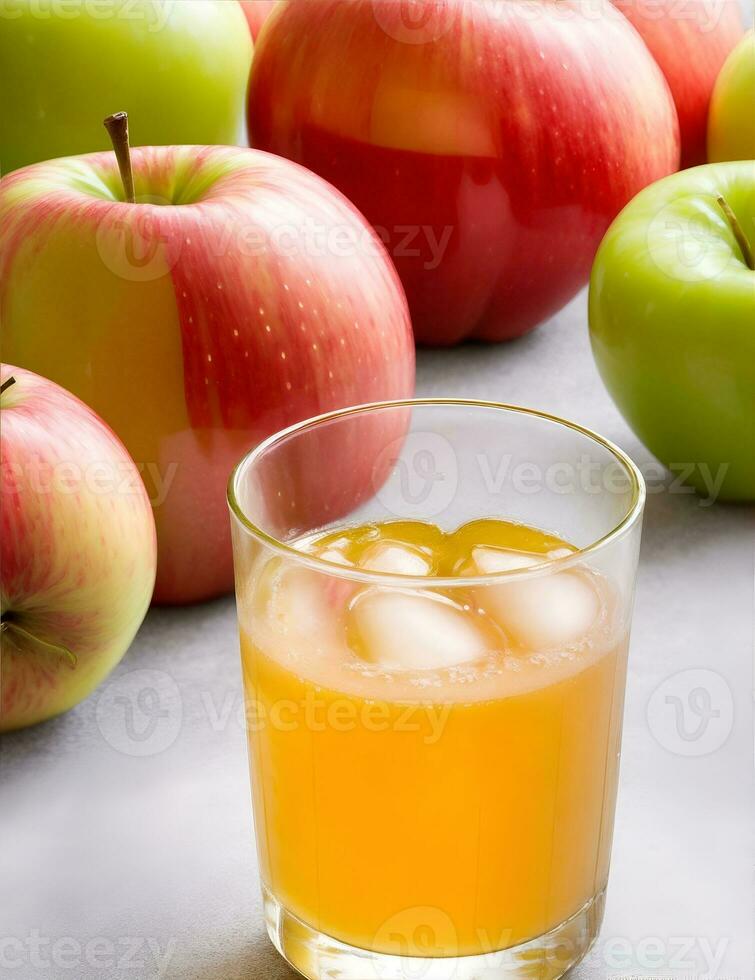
<point x="154" y="853"/>
<point x="118" y="866"/>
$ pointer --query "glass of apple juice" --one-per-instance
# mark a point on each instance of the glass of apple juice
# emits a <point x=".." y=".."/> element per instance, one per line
<point x="434" y="599"/>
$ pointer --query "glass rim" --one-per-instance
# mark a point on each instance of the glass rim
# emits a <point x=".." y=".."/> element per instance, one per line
<point x="366" y="576"/>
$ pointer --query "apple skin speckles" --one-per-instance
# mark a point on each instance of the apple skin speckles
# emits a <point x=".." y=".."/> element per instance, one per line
<point x="490" y="169"/>
<point x="77" y="549"/>
<point x="170" y="319"/>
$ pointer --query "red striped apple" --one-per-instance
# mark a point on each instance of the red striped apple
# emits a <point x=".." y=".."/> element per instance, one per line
<point x="77" y="548"/>
<point x="490" y="144"/>
<point x="690" y="40"/>
<point x="256" y="13"/>
<point x="240" y="293"/>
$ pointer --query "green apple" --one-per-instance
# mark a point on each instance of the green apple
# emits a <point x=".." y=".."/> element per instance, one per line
<point x="179" y="68"/>
<point x="731" y="121"/>
<point x="672" y="323"/>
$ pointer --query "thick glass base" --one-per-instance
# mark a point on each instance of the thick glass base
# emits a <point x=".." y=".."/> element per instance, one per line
<point x="319" y="957"/>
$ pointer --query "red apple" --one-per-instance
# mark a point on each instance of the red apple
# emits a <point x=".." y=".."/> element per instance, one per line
<point x="246" y="296"/>
<point x="690" y="41"/>
<point x="490" y="144"/>
<point x="77" y="548"/>
<point x="256" y="12"/>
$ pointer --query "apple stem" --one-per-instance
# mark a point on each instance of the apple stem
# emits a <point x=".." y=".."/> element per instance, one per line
<point x="62" y="651"/>
<point x="738" y="231"/>
<point x="117" y="127"/>
<point x="7" y="383"/>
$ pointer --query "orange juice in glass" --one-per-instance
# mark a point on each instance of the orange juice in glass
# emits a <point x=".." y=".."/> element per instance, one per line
<point x="434" y="633"/>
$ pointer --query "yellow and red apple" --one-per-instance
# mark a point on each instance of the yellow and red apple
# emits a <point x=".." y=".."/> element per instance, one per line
<point x="240" y="293"/>
<point x="77" y="548"/>
<point x="731" y="122"/>
<point x="490" y="144"/>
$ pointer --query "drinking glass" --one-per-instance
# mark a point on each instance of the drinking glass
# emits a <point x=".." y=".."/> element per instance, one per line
<point x="449" y="818"/>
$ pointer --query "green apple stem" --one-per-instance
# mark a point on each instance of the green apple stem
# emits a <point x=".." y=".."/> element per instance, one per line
<point x="7" y="383"/>
<point x="738" y="231"/>
<point x="117" y="127"/>
<point x="59" y="649"/>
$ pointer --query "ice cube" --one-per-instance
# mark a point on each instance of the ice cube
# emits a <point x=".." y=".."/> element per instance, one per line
<point x="395" y="559"/>
<point x="334" y="555"/>
<point x="415" y="630"/>
<point x="491" y="560"/>
<point x="543" y="613"/>
<point x="332" y="550"/>
<point x="560" y="553"/>
<point x="295" y="601"/>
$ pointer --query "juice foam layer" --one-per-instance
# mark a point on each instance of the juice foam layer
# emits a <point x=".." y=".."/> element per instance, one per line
<point x="451" y="645"/>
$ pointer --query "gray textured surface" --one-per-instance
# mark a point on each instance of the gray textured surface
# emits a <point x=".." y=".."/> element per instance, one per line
<point x="141" y="860"/>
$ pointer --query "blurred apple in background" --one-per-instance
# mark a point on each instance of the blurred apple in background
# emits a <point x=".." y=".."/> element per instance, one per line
<point x="180" y="68"/>
<point x="248" y="295"/>
<point x="731" y="123"/>
<point x="490" y="144"/>
<point x="672" y="321"/>
<point x="77" y="548"/>
<point x="256" y="12"/>
<point x="690" y="40"/>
